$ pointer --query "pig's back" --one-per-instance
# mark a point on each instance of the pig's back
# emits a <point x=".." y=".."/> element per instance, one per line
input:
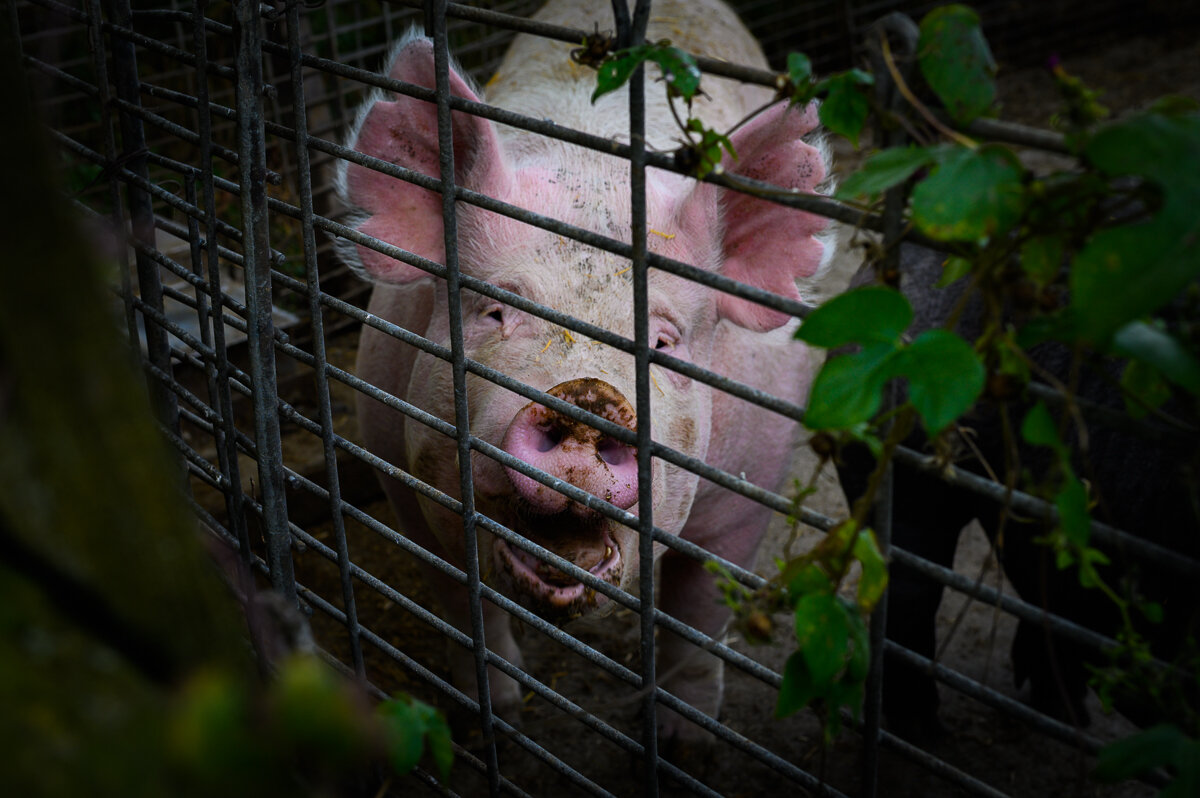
<point x="538" y="78"/>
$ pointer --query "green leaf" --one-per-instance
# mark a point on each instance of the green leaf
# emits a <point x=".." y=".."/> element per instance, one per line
<point x="799" y="68"/>
<point x="1152" y="611"/>
<point x="1128" y="272"/>
<point x="859" y="661"/>
<point x="679" y="69"/>
<point x="1073" y="511"/>
<point x="1042" y="257"/>
<point x="846" y="390"/>
<point x="1158" y="348"/>
<point x="809" y="579"/>
<point x="956" y="62"/>
<point x="615" y="73"/>
<point x="404" y="734"/>
<point x="822" y="630"/>
<point x="313" y="710"/>
<point x="872" y="314"/>
<point x="1186" y="783"/>
<point x="953" y="270"/>
<point x="873" y="581"/>
<point x="1152" y="748"/>
<point x="797" y="688"/>
<point x="882" y="171"/>
<point x="1039" y="429"/>
<point x="441" y="749"/>
<point x="972" y="195"/>
<point x="1174" y="105"/>
<point x="844" y="694"/>
<point x="210" y="723"/>
<point x="945" y="377"/>
<point x="845" y="107"/>
<point x="1147" y="385"/>
<point x="708" y="147"/>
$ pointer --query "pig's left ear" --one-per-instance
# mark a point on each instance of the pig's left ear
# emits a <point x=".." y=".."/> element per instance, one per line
<point x="403" y="130"/>
<point x="764" y="244"/>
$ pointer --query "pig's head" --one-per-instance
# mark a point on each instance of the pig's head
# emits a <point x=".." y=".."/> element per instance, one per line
<point x="747" y="239"/>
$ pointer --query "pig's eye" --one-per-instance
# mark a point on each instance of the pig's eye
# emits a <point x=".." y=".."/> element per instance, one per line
<point x="666" y="340"/>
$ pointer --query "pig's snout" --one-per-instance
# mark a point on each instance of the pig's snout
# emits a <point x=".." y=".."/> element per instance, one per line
<point x="573" y="451"/>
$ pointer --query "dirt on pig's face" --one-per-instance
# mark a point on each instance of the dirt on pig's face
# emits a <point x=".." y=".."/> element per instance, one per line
<point x="595" y="287"/>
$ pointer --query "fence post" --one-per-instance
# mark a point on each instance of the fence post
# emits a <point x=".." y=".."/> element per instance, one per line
<point x="900" y="34"/>
<point x="435" y="26"/>
<point x="141" y="209"/>
<point x="260" y="328"/>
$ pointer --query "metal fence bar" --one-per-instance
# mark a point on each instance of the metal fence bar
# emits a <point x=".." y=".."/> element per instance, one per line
<point x="938" y="766"/>
<point x="320" y="372"/>
<point x="256" y="247"/>
<point x="435" y="26"/>
<point x="904" y="32"/>
<point x="631" y="33"/>
<point x="217" y="370"/>
<point x="1024" y="503"/>
<point x="141" y="212"/>
<point x="104" y="96"/>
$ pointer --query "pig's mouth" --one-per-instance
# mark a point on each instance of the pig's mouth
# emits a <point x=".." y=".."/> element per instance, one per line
<point x="551" y="592"/>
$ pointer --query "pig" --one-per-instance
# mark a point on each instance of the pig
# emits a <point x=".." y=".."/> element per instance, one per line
<point x="747" y="239"/>
<point x="1147" y="489"/>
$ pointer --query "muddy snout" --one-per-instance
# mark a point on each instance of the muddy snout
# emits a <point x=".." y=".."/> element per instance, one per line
<point x="573" y="451"/>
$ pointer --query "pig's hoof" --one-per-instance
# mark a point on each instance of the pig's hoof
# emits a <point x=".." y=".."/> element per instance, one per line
<point x="693" y="755"/>
<point x="684" y="744"/>
<point x="506" y="703"/>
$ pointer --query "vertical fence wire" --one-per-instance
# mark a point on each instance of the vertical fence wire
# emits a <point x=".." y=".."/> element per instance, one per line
<point x="260" y="330"/>
<point x="435" y="24"/>
<point x="117" y="216"/>
<point x="333" y="484"/>
<point x="141" y="210"/>
<point x="217" y="370"/>
<point x="630" y="34"/>
<point x="903" y="32"/>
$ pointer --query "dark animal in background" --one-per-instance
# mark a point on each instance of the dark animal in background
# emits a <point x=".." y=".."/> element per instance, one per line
<point x="1143" y="488"/>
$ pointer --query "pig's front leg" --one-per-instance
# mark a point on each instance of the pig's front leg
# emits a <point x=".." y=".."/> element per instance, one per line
<point x="505" y="691"/>
<point x="453" y="605"/>
<point x="689" y="593"/>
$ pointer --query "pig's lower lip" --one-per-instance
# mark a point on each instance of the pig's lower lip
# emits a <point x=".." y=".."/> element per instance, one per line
<point x="569" y="595"/>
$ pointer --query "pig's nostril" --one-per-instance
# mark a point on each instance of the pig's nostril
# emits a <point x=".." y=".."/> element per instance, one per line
<point x="613" y="451"/>
<point x="547" y="438"/>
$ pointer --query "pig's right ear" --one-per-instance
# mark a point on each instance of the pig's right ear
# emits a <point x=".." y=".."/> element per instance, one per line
<point x="403" y="130"/>
<point x="767" y="245"/>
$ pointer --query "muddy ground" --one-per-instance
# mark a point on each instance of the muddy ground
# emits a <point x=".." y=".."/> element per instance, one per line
<point x="983" y="742"/>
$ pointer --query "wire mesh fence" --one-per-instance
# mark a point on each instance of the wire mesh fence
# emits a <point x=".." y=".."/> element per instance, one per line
<point x="202" y="144"/>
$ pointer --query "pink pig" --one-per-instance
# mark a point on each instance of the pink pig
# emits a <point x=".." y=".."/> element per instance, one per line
<point x="747" y="239"/>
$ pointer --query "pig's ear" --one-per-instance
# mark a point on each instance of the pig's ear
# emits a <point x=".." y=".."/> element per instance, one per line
<point x="404" y="131"/>
<point x="764" y="244"/>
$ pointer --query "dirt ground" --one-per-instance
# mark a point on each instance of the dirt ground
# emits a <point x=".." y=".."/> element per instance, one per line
<point x="985" y="743"/>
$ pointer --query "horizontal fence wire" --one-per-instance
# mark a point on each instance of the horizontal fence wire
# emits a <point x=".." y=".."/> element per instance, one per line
<point x="207" y="354"/>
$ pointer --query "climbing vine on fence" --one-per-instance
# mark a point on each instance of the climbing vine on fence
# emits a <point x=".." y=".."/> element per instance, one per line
<point x="1091" y="256"/>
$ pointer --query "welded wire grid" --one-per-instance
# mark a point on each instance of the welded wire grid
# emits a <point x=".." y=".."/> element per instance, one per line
<point x="208" y="134"/>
